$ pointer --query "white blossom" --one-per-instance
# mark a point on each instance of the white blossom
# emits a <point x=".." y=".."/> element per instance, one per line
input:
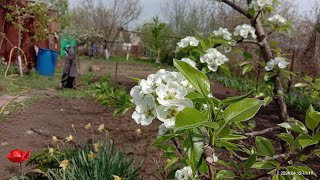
<point x="224" y="32"/>
<point x="260" y="4"/>
<point x="167" y="114"/>
<point x="184" y="174"/>
<point x="278" y="61"/>
<point x="215" y="158"/>
<point x="170" y="93"/>
<point x="244" y="30"/>
<point x="161" y="95"/>
<point x="137" y="94"/>
<point x="162" y="130"/>
<point x="145" y="113"/>
<point x="214" y="59"/>
<point x="189" y="61"/>
<point x="277" y="19"/>
<point x="189" y="40"/>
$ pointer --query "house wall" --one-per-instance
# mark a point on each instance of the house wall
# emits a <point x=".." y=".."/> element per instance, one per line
<point x="27" y="42"/>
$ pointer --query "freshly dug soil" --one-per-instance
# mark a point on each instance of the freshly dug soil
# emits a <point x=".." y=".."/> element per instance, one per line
<point x="32" y="128"/>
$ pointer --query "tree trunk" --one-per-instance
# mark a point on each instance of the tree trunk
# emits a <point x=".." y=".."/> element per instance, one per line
<point x="267" y="56"/>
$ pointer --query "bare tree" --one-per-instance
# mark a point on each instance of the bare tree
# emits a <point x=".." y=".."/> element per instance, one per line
<point x="186" y="16"/>
<point x="105" y="18"/>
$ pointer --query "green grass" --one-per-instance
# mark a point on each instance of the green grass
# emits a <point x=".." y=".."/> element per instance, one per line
<point x="16" y="85"/>
<point x="118" y="59"/>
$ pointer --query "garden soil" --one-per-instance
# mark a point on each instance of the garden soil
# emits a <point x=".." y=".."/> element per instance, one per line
<point x="33" y="127"/>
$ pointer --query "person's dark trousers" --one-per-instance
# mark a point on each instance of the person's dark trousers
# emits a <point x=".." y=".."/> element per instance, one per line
<point x="70" y="82"/>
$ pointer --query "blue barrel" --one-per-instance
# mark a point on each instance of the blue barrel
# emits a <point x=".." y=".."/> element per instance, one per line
<point x="46" y="62"/>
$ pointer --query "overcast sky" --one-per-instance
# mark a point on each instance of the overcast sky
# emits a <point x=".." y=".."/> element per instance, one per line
<point x="151" y="8"/>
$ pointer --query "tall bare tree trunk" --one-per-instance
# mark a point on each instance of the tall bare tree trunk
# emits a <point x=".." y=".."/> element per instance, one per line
<point x="310" y="62"/>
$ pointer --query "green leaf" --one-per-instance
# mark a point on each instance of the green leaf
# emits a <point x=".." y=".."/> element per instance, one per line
<point x="311" y="122"/>
<point x="315" y="116"/>
<point x="242" y="63"/>
<point x="234" y="99"/>
<point x="286" y="137"/>
<point x="263" y="165"/>
<point x="196" y="97"/>
<point x="264" y="146"/>
<point x="225" y="131"/>
<point x="297" y="126"/>
<point x="198" y="80"/>
<point x="194" y="145"/>
<point x="242" y="110"/>
<point x="303" y="158"/>
<point x="250" y="161"/>
<point x="247" y="68"/>
<point x="226" y="70"/>
<point x="163" y="138"/>
<point x="211" y="124"/>
<point x="189" y="118"/>
<point x="134" y="79"/>
<point x="300" y="85"/>
<point x="316" y="152"/>
<point x="306" y="140"/>
<point x="225" y="174"/>
<point x="274" y="43"/>
<point x="278" y="177"/>
<point x="233" y="137"/>
<point x="228" y="145"/>
<point x="247" y="55"/>
<point x="172" y="162"/>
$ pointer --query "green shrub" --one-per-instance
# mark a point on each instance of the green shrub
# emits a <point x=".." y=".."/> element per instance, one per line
<point x="97" y="163"/>
<point x="113" y="97"/>
<point x="44" y="160"/>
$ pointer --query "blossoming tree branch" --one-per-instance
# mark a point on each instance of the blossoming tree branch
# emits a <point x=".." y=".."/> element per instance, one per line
<point x="197" y="126"/>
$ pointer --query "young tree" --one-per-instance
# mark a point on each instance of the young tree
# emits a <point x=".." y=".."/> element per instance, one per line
<point x="155" y="30"/>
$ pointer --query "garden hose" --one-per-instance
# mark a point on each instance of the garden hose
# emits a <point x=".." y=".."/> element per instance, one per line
<point x="10" y="57"/>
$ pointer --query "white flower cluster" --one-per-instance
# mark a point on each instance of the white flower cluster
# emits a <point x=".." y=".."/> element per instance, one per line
<point x="189" y="61"/>
<point x="277" y="19"/>
<point x="259" y="4"/>
<point x="184" y="174"/>
<point x="189" y="40"/>
<point x="224" y="32"/>
<point x="214" y="59"/>
<point x="162" y="96"/>
<point x="278" y="61"/>
<point x="244" y="30"/>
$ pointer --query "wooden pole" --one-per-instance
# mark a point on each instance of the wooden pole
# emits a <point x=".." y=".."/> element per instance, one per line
<point x="291" y="69"/>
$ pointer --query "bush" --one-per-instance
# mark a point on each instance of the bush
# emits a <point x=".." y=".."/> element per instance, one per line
<point x="44" y="160"/>
<point x="113" y="97"/>
<point x="99" y="163"/>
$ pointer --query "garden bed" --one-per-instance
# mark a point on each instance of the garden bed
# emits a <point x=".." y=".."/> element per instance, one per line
<point x="33" y="127"/>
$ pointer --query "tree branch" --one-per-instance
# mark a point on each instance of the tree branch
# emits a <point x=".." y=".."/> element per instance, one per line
<point x="251" y="42"/>
<point x="208" y="152"/>
<point x="176" y="144"/>
<point x="256" y="133"/>
<point x="257" y="16"/>
<point x="237" y="8"/>
<point x="278" y="156"/>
